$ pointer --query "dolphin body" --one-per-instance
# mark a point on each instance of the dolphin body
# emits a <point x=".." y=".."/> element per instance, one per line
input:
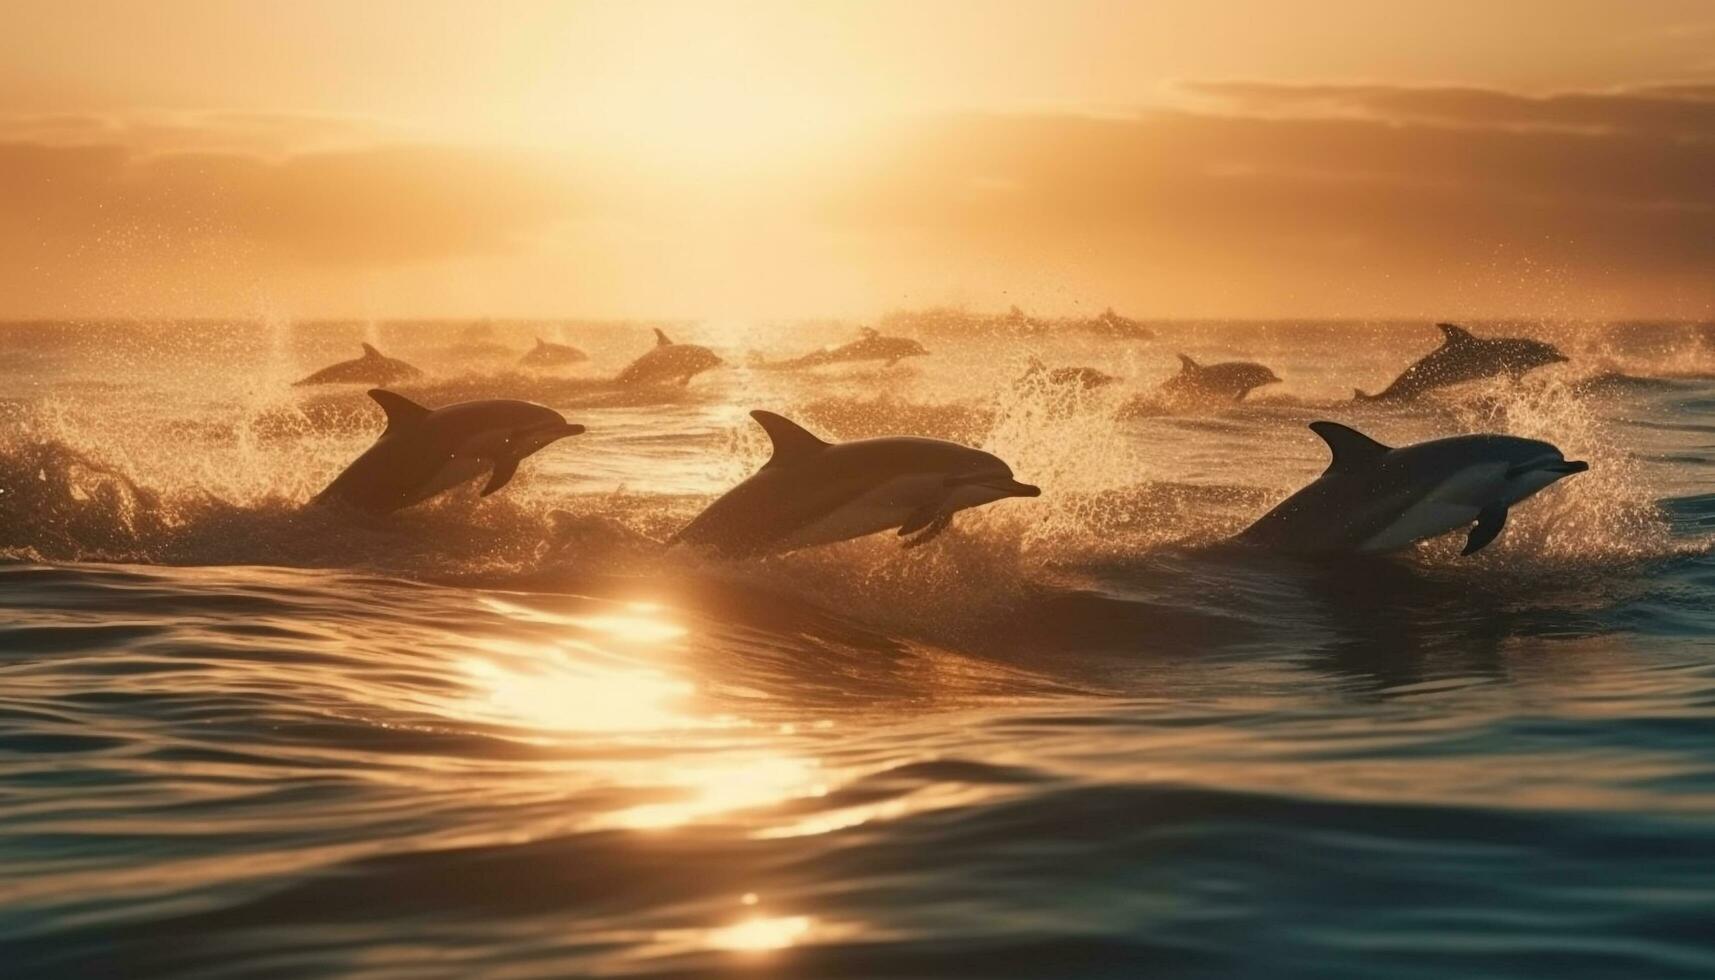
<point x="373" y="368"/>
<point x="872" y="346"/>
<point x="546" y="354"/>
<point x="1374" y="499"/>
<point x="815" y="493"/>
<point x="1086" y="378"/>
<point x="1464" y="357"/>
<point x="668" y="362"/>
<point x="1230" y="381"/>
<point x="424" y="452"/>
<point x="1112" y="325"/>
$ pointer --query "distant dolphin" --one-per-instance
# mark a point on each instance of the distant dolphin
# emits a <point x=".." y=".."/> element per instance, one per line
<point x="1374" y="499"/>
<point x="373" y="368"/>
<point x="546" y="354"/>
<point x="814" y="493"/>
<point x="424" y="452"/>
<point x="1066" y="377"/>
<point x="667" y="361"/>
<point x="1229" y="381"/>
<point x="1463" y="357"/>
<point x="476" y="342"/>
<point x="871" y="346"/>
<point x="1111" y="324"/>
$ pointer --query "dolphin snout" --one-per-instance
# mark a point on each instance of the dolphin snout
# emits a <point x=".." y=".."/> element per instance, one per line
<point x="1014" y="488"/>
<point x="549" y="432"/>
<point x="1569" y="466"/>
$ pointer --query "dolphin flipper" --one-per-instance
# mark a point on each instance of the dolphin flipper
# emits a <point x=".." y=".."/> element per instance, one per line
<point x="922" y="517"/>
<point x="931" y="531"/>
<point x="503" y="472"/>
<point x="1490" y="520"/>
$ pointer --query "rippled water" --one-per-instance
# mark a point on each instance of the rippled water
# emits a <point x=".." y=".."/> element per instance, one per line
<point x="1075" y="736"/>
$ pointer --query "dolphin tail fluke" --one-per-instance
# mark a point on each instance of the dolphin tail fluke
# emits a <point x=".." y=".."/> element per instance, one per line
<point x="661" y="338"/>
<point x="503" y="473"/>
<point x="1490" y="520"/>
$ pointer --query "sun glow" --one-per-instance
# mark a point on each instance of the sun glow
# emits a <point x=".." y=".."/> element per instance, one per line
<point x="761" y="934"/>
<point x="550" y="689"/>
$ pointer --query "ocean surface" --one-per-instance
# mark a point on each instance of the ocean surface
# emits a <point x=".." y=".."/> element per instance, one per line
<point x="1075" y="736"/>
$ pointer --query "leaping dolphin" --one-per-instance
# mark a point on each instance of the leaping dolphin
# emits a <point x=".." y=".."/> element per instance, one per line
<point x="1464" y="357"/>
<point x="1111" y="324"/>
<point x="549" y="354"/>
<point x="424" y="451"/>
<point x="667" y="361"/>
<point x="1229" y="381"/>
<point x="1374" y="499"/>
<point x="1086" y="378"/>
<point x="814" y="493"/>
<point x="871" y="346"/>
<point x="373" y="368"/>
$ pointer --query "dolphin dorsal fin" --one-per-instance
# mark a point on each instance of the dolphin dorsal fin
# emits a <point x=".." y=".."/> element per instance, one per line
<point x="369" y="351"/>
<point x="1187" y="365"/>
<point x="868" y="333"/>
<point x="401" y="411"/>
<point x="1350" y="447"/>
<point x="661" y="339"/>
<point x="791" y="440"/>
<point x="540" y="342"/>
<point x="1455" y="334"/>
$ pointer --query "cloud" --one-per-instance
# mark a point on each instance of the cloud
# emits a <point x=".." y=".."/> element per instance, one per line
<point x="248" y="180"/>
<point x="1685" y="111"/>
<point x="1253" y="199"/>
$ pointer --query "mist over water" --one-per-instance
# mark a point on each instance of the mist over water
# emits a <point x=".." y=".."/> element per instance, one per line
<point x="1077" y="735"/>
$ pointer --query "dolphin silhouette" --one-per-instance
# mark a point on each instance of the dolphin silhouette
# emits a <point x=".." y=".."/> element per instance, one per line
<point x="373" y="368"/>
<point x="549" y="354"/>
<point x="1463" y="357"/>
<point x="1064" y="377"/>
<point x="814" y="493"/>
<point x="870" y="346"/>
<point x="424" y="451"/>
<point x="1111" y="324"/>
<point x="1229" y="381"/>
<point x="667" y="361"/>
<point x="1374" y="499"/>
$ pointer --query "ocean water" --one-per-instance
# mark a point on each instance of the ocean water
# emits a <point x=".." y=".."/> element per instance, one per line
<point x="1076" y="736"/>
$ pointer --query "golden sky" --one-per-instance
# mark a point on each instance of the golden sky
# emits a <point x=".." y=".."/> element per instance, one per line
<point x="305" y="159"/>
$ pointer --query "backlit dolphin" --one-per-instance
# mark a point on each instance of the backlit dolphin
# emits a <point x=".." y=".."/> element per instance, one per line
<point x="425" y="451"/>
<point x="814" y="493"/>
<point x="871" y="346"/>
<point x="373" y="368"/>
<point x="1375" y="499"/>
<point x="549" y="354"/>
<point x="1463" y="357"/>
<point x="668" y="362"/>
<point x="1229" y="381"/>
